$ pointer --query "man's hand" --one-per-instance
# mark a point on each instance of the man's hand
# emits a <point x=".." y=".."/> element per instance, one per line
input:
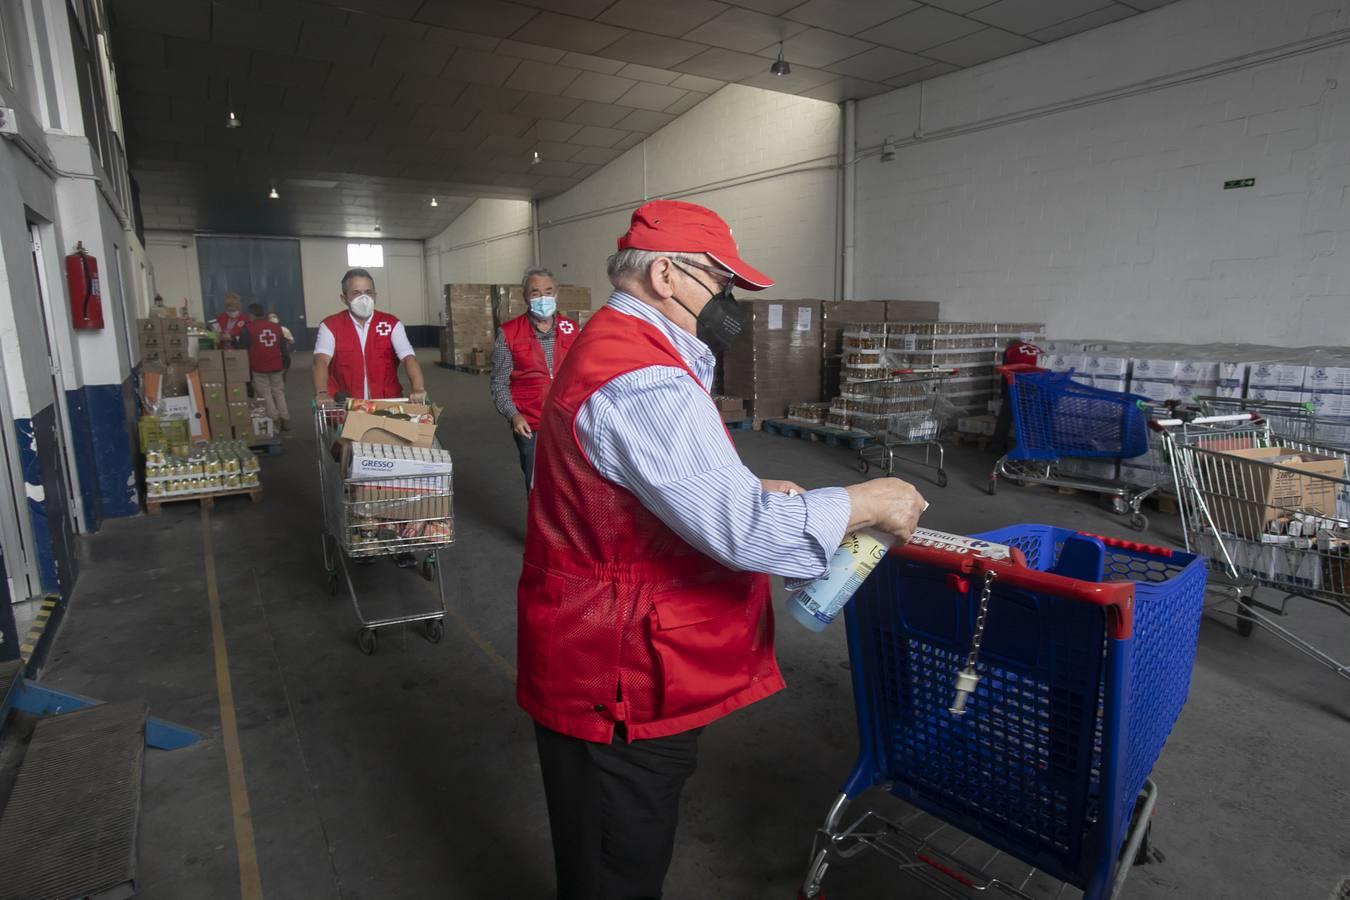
<point x="321" y="399"/>
<point x="775" y="486"/>
<point x="886" y="504"/>
<point x="417" y="396"/>
<point x="520" y="426"/>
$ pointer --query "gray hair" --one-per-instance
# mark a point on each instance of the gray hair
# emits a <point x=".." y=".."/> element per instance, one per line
<point x="535" y="272"/>
<point x="628" y="264"/>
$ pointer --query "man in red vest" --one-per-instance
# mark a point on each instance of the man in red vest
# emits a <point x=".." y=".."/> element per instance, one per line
<point x="357" y="352"/>
<point x="264" y="341"/>
<point x="643" y="611"/>
<point x="230" y="323"/>
<point x="528" y="350"/>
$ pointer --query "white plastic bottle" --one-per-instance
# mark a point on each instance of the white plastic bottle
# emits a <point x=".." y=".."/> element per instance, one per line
<point x="815" y="603"/>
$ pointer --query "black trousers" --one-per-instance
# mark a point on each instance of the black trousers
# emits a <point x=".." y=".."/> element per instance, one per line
<point x="525" y="446"/>
<point x="612" y="810"/>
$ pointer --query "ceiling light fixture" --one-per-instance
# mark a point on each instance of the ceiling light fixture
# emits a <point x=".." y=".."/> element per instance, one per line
<point x="536" y="159"/>
<point x="377" y="228"/>
<point x="433" y="202"/>
<point x="780" y="66"/>
<point x="272" y="194"/>
<point x="232" y="121"/>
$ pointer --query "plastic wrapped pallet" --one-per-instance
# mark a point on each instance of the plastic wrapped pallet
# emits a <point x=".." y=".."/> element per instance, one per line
<point x="778" y="362"/>
<point x="835" y="316"/>
<point x="469" y="312"/>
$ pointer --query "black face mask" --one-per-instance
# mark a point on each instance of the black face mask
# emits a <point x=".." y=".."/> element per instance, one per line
<point x="721" y="321"/>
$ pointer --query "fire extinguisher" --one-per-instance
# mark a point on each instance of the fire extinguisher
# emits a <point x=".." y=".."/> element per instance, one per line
<point x="86" y="307"/>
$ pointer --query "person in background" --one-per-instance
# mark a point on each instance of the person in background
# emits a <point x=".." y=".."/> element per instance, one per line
<point x="287" y="344"/>
<point x="527" y="351"/>
<point x="264" y="342"/>
<point x="230" y="323"/>
<point x="643" y="613"/>
<point x="1019" y="355"/>
<point x="358" y="351"/>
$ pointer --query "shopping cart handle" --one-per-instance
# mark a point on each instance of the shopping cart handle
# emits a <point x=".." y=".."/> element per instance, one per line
<point x="1165" y="552"/>
<point x="1116" y="597"/>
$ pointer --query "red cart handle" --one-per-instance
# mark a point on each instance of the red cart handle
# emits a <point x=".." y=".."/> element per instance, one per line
<point x="1117" y="597"/>
<point x="1164" y="552"/>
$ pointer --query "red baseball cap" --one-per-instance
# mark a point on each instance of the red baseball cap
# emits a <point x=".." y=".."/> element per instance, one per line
<point x="673" y="226"/>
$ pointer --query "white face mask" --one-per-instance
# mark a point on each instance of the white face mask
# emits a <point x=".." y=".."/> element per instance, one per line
<point x="362" y="306"/>
<point x="232" y="313"/>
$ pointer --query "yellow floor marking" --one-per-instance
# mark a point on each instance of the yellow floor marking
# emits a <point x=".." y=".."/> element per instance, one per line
<point x="250" y="881"/>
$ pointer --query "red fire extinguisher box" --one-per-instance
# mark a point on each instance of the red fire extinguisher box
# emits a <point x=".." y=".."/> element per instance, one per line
<point x="86" y="304"/>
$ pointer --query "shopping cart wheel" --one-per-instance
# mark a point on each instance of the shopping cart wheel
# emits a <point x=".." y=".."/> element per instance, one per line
<point x="429" y="568"/>
<point x="863" y="465"/>
<point x="992" y="487"/>
<point x="1246" y="621"/>
<point x="367" y="641"/>
<point x="942" y="477"/>
<point x="1139" y="522"/>
<point x="433" y="630"/>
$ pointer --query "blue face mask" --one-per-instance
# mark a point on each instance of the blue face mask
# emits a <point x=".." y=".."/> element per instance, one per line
<point x="543" y="307"/>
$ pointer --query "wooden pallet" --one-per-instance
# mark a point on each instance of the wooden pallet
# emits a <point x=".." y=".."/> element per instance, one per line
<point x="854" y="440"/>
<point x="739" y="424"/>
<point x="473" y="370"/>
<point x="153" y="504"/>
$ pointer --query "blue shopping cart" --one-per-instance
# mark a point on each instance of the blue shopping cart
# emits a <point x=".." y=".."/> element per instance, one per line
<point x="1075" y="651"/>
<point x="1055" y="418"/>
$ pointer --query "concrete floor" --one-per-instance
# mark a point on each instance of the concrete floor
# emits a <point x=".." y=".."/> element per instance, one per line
<point x="411" y="774"/>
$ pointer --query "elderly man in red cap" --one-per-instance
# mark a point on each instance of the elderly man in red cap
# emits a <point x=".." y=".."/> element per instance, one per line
<point x="644" y="605"/>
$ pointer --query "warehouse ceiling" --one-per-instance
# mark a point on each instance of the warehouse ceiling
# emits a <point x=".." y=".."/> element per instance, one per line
<point x="359" y="112"/>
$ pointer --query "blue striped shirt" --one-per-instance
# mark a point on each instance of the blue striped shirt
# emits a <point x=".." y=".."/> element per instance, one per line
<point x="654" y="433"/>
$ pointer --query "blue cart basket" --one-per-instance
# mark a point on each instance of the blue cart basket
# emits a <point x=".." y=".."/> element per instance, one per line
<point x="1056" y="418"/>
<point x="1081" y="650"/>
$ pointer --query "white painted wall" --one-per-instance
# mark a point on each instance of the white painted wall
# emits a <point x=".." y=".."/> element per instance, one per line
<point x="489" y="243"/>
<point x="1106" y="217"/>
<point x="400" y="284"/>
<point x="764" y="161"/>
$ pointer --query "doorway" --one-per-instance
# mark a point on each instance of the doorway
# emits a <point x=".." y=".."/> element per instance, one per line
<point x="260" y="270"/>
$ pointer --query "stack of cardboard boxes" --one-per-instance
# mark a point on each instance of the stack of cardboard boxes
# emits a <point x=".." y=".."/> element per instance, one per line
<point x="163" y="342"/>
<point x="474" y="312"/>
<point x="224" y="376"/>
<point x="778" y="361"/>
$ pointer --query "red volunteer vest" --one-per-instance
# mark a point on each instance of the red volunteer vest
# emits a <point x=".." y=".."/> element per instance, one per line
<point x="350" y="369"/>
<point x="264" y="346"/>
<point x="620" y="619"/>
<point x="230" y="329"/>
<point x="530" y="377"/>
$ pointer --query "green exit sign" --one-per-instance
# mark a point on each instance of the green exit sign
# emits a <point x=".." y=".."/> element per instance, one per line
<point x="1239" y="183"/>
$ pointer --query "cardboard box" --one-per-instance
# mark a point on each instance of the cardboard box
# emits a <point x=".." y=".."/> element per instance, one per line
<point x="911" y="310"/>
<point x="447" y="359"/>
<point x="479" y="359"/>
<point x="1322" y="379"/>
<point x="508" y="302"/>
<point x="218" y="421"/>
<point x="172" y="325"/>
<point x="215" y="396"/>
<point x="405" y="483"/>
<point x="236" y="366"/>
<point x="779" y="360"/>
<point x="835" y="317"/>
<point x="175" y="409"/>
<point x="153" y="359"/>
<point x="175" y="433"/>
<point x="1277" y="375"/>
<point x="1115" y="366"/>
<point x="241" y="415"/>
<point x="211" y="366"/>
<point x="236" y="392"/>
<point x="366" y="460"/>
<point x="572" y="296"/>
<point x="1270" y="493"/>
<point x="469" y="310"/>
<point x="1155" y="369"/>
<point x="374" y="429"/>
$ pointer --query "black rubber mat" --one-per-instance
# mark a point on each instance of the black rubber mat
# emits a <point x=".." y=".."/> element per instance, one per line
<point x="69" y="829"/>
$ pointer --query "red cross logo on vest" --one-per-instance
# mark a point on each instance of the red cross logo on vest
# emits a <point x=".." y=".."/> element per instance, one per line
<point x="566" y="327"/>
<point x="268" y="338"/>
<point x="384" y="329"/>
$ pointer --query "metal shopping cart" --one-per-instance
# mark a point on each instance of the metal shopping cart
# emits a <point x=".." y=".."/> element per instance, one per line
<point x="1076" y="651"/>
<point x="1268" y="510"/>
<point x="367" y="516"/>
<point x="900" y="412"/>
<point x="1055" y="418"/>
